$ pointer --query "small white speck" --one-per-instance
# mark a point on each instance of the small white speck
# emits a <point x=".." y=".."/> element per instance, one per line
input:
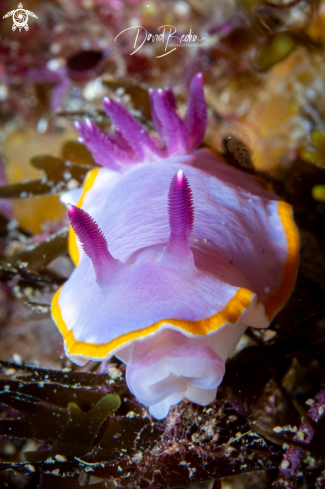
<point x="250" y="200"/>
<point x="277" y="429"/>
<point x="182" y="8"/>
<point x="267" y="290"/>
<point x="114" y="373"/>
<point x="42" y="125"/>
<point x="285" y="464"/>
<point x="138" y="456"/>
<point x="10" y="371"/>
<point x="93" y="89"/>
<point x="119" y="469"/>
<point x="54" y="64"/>
<point x="3" y="92"/>
<point x="72" y="184"/>
<point x="191" y="471"/>
<point x="17" y="359"/>
<point x="60" y="458"/>
<point x="310" y="402"/>
<point x="131" y="414"/>
<point x="119" y="91"/>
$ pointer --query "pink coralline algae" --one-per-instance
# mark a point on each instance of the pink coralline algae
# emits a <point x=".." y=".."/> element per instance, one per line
<point x="176" y="253"/>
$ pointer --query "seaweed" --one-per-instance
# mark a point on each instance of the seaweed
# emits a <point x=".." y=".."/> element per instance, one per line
<point x="59" y="174"/>
<point x="111" y="436"/>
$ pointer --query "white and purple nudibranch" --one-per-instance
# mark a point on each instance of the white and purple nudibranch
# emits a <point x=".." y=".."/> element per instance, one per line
<point x="176" y="253"/>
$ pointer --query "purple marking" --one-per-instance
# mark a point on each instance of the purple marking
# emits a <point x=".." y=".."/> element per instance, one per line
<point x="105" y="148"/>
<point x="196" y="115"/>
<point x="92" y="240"/>
<point x="172" y="127"/>
<point x="170" y="97"/>
<point x="131" y="130"/>
<point x="180" y="212"/>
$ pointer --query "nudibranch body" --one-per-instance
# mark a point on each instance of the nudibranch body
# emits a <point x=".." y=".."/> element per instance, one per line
<point x="176" y="253"/>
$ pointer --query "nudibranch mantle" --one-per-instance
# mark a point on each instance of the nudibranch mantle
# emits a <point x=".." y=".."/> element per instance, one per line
<point x="180" y="255"/>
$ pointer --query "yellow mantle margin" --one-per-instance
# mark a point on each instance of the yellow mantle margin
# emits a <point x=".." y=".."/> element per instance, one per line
<point x="230" y="314"/>
<point x="276" y="301"/>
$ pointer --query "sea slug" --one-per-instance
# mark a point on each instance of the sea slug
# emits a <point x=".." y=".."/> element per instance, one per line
<point x="177" y="254"/>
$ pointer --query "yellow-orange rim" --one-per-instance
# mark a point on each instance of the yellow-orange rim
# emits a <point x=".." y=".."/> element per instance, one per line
<point x="230" y="314"/>
<point x="277" y="299"/>
<point x="72" y="240"/>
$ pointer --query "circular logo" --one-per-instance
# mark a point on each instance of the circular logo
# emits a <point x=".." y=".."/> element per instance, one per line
<point x="20" y="19"/>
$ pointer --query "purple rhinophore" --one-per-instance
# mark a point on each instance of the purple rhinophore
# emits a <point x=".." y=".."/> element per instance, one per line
<point x="181" y="215"/>
<point x="92" y="240"/>
<point x="180" y="206"/>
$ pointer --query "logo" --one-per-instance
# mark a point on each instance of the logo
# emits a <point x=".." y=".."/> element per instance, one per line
<point x="20" y="18"/>
<point x="166" y="36"/>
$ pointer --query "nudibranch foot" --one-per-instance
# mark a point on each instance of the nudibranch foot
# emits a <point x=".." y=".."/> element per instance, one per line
<point x="167" y="367"/>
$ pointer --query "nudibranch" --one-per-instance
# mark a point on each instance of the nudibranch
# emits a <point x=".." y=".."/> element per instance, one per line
<point x="177" y="253"/>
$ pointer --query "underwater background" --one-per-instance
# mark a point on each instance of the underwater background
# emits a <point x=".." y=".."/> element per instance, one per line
<point x="63" y="426"/>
